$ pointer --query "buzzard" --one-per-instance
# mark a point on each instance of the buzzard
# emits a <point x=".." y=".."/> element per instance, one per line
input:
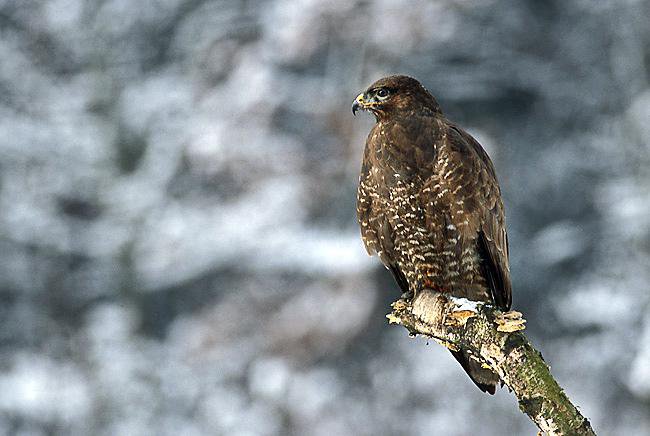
<point x="429" y="204"/>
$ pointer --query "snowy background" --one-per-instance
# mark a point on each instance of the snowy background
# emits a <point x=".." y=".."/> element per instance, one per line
<point x="178" y="247"/>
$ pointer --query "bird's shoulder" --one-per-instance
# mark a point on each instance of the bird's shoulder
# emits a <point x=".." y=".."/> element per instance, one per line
<point x="460" y="159"/>
<point x="462" y="181"/>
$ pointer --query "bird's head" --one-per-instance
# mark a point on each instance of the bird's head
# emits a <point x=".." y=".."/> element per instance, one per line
<point x="394" y="96"/>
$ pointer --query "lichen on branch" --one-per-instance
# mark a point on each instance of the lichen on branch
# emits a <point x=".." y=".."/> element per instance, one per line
<point x="497" y="341"/>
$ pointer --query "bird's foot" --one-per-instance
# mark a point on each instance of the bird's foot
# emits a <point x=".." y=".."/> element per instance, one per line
<point x="510" y="321"/>
<point x="398" y="306"/>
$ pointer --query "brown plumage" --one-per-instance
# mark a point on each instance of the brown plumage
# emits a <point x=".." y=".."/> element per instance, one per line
<point x="429" y="204"/>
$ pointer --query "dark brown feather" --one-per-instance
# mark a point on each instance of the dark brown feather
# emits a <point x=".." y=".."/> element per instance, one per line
<point x="483" y="378"/>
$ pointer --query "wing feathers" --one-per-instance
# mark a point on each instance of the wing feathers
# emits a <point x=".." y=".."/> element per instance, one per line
<point x="467" y="187"/>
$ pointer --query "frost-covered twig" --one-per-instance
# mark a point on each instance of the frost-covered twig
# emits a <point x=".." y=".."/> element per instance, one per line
<point x="495" y="340"/>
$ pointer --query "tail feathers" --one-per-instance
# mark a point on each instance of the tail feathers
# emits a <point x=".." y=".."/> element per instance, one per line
<point x="484" y="378"/>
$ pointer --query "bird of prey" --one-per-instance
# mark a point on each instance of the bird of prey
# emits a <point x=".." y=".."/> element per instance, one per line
<point x="429" y="204"/>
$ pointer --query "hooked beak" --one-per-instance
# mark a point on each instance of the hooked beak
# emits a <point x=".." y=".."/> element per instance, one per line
<point x="358" y="104"/>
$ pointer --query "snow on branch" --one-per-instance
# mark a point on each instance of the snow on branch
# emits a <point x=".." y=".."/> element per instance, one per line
<point x="496" y="340"/>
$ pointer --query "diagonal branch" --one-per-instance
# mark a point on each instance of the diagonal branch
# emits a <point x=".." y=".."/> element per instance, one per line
<point x="488" y="335"/>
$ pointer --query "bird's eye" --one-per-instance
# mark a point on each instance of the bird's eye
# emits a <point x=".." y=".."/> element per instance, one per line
<point x="382" y="93"/>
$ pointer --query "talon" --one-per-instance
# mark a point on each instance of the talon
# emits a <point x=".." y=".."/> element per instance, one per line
<point x="399" y="305"/>
<point x="510" y="321"/>
<point x="392" y="319"/>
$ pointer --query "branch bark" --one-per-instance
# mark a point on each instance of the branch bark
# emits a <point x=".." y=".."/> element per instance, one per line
<point x="483" y="331"/>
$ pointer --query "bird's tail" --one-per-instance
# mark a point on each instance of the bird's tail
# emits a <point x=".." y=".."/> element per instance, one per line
<point x="484" y="378"/>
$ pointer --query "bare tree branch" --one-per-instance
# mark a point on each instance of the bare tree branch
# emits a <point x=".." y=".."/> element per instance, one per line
<point x="495" y="340"/>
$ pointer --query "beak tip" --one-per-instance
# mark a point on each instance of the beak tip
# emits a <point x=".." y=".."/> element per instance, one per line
<point x="356" y="106"/>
